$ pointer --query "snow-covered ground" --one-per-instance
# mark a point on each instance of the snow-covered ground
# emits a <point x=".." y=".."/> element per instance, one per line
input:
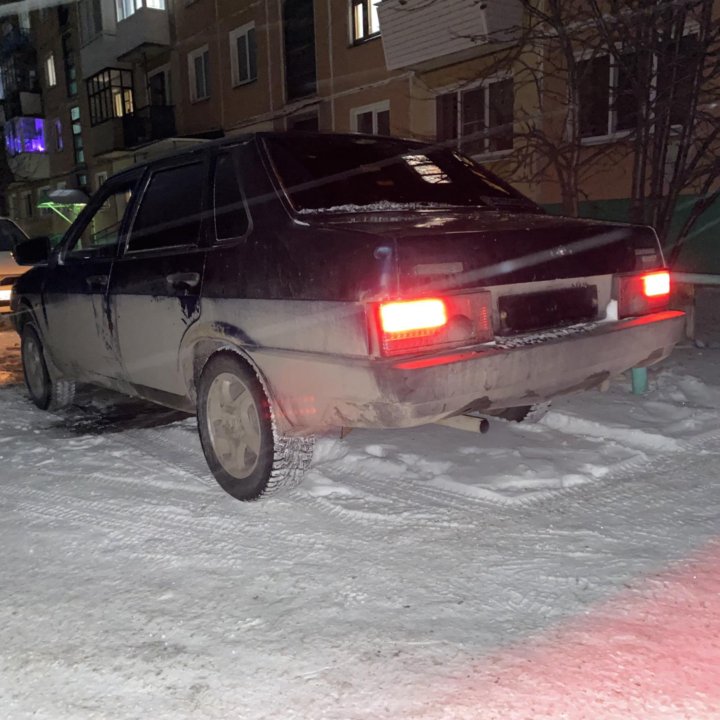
<point x="564" y="569"/>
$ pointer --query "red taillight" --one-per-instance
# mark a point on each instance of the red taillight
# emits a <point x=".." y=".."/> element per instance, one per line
<point x="412" y="316"/>
<point x="423" y="324"/>
<point x="657" y="283"/>
<point x="642" y="293"/>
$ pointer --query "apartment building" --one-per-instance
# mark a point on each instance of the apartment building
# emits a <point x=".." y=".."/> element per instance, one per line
<point x="117" y="81"/>
<point x="148" y="76"/>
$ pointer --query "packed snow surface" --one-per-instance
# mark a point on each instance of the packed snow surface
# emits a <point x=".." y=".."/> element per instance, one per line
<point x="568" y="568"/>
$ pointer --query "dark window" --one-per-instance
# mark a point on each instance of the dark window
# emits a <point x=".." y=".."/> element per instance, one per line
<point x="500" y="115"/>
<point x="446" y="111"/>
<point x="299" y="29"/>
<point x="481" y="118"/>
<point x="246" y="57"/>
<point x="677" y="68"/>
<point x="230" y="217"/>
<point x="472" y="133"/>
<point x="110" y="94"/>
<point x="627" y="91"/>
<point x="68" y="52"/>
<point x="78" y="144"/>
<point x="594" y="95"/>
<point x="171" y="209"/>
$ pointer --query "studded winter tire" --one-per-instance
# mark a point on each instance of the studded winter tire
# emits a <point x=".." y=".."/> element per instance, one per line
<point x="44" y="392"/>
<point x="243" y="449"/>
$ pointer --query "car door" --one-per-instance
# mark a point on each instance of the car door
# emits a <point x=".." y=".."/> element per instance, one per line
<point x="155" y="285"/>
<point x="77" y="327"/>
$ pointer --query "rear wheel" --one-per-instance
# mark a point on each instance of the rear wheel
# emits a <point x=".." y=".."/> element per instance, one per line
<point x="242" y="447"/>
<point x="44" y="392"/>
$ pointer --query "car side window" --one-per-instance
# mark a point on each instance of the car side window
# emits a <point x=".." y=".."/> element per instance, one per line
<point x="231" y="220"/>
<point x="170" y="212"/>
<point x="100" y="234"/>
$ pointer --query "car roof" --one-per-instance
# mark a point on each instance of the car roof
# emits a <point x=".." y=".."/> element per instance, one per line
<point x="239" y="139"/>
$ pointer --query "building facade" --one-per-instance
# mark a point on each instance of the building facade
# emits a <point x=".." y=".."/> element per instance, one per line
<point x="105" y="83"/>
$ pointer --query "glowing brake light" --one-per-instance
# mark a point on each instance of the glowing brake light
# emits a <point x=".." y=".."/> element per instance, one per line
<point x="642" y="293"/>
<point x="421" y="325"/>
<point x="657" y="283"/>
<point x="413" y="315"/>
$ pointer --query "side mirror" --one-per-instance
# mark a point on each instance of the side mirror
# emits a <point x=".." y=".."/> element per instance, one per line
<point x="33" y="251"/>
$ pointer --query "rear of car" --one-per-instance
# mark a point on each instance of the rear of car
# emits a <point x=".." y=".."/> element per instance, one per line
<point x="10" y="236"/>
<point x="281" y="285"/>
<point x="478" y="301"/>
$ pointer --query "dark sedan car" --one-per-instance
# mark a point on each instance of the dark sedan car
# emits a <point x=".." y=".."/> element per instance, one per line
<point x="281" y="285"/>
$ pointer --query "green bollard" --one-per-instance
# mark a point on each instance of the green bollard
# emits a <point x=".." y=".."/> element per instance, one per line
<point x="639" y="381"/>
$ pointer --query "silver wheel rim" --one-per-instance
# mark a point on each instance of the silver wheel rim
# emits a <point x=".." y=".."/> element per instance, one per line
<point x="233" y="425"/>
<point x="34" y="370"/>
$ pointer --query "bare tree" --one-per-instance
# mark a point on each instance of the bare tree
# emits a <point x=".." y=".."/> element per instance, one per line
<point x="641" y="75"/>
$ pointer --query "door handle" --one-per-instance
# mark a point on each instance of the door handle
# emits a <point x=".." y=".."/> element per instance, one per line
<point x="183" y="281"/>
<point x="96" y="282"/>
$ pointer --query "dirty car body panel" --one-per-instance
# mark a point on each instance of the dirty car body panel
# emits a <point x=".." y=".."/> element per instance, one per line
<point x="285" y="248"/>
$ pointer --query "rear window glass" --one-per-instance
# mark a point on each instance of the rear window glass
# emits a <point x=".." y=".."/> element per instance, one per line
<point x="171" y="209"/>
<point x="10" y="235"/>
<point x="346" y="174"/>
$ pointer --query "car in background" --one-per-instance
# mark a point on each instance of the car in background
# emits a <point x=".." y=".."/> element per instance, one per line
<point x="10" y="236"/>
<point x="282" y="285"/>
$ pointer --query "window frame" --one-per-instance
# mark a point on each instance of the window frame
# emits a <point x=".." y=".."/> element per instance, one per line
<point x="369" y="11"/>
<point x="375" y="108"/>
<point x="458" y="92"/>
<point x="232" y="153"/>
<point x="50" y="70"/>
<point x="142" y="191"/>
<point x="100" y="203"/>
<point x="134" y="5"/>
<point x="199" y="52"/>
<point x="233" y="37"/>
<point x="104" y="88"/>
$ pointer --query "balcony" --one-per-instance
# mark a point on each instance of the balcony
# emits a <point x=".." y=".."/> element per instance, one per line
<point x="418" y="33"/>
<point x="117" y="136"/>
<point x="20" y="103"/>
<point x="16" y="42"/>
<point x="25" y="148"/>
<point x="143" y="34"/>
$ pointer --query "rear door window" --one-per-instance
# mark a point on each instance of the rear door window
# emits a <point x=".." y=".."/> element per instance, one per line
<point x="231" y="219"/>
<point x="170" y="213"/>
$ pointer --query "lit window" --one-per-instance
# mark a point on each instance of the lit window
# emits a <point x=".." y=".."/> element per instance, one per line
<point x="126" y="8"/>
<point x="365" y="21"/>
<point x="78" y="144"/>
<point x="243" y="54"/>
<point x="50" y="77"/>
<point x="110" y="95"/>
<point x="479" y="119"/>
<point x="199" y="74"/>
<point x="24" y="135"/>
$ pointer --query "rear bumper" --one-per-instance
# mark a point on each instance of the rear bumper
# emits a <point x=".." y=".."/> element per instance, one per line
<point x="320" y="392"/>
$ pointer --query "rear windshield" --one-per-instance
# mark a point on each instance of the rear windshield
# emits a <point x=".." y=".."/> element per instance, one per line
<point x="347" y="174"/>
<point x="10" y="235"/>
